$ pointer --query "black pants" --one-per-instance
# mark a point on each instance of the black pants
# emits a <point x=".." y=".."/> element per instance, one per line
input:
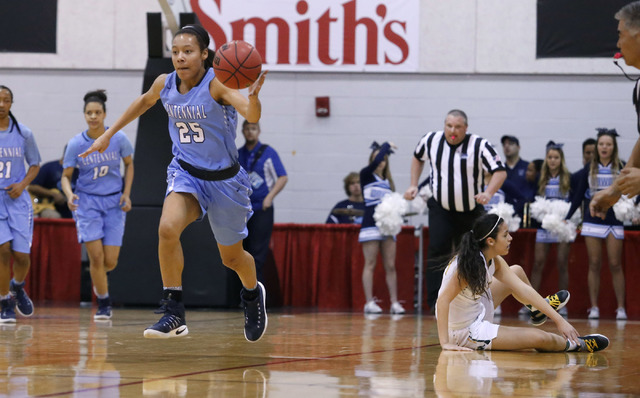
<point x="260" y="226"/>
<point x="445" y="232"/>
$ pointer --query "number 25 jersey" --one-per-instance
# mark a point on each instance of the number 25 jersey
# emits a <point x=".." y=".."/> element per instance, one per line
<point x="203" y="132"/>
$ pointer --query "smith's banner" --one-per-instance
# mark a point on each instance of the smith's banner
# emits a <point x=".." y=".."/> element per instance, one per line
<point x="328" y="35"/>
<point x="577" y="28"/>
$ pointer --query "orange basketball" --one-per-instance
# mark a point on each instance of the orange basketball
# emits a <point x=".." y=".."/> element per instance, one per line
<point x="237" y="64"/>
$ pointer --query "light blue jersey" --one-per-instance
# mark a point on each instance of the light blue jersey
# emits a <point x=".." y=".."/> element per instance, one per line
<point x="99" y="172"/>
<point x="16" y="147"/>
<point x="203" y="132"/>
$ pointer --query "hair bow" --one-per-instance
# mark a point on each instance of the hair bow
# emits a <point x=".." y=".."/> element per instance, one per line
<point x="375" y="146"/>
<point x="603" y="130"/>
<point x="553" y="145"/>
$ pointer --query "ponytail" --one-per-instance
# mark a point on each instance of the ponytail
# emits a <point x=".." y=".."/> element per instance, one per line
<point x="471" y="262"/>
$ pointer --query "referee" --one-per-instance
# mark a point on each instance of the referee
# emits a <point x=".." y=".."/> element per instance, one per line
<point x="457" y="162"/>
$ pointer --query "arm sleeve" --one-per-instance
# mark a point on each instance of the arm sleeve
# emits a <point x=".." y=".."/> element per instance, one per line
<point x="31" y="153"/>
<point x="126" y="149"/>
<point x="70" y="155"/>
<point x="277" y="164"/>
<point x="491" y="158"/>
<point x="421" y="153"/>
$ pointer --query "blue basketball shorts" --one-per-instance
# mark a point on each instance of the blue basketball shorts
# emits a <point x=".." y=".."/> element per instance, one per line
<point x="16" y="221"/>
<point x="99" y="217"/>
<point x="226" y="202"/>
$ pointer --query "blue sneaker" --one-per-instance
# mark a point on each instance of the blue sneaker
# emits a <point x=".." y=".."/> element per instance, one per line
<point x="104" y="310"/>
<point x="172" y="323"/>
<point x="255" y="315"/>
<point x="7" y="310"/>
<point x="24" y="305"/>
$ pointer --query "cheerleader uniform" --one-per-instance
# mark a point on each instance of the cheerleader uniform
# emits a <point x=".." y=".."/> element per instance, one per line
<point x="595" y="226"/>
<point x="552" y="192"/>
<point x="373" y="190"/>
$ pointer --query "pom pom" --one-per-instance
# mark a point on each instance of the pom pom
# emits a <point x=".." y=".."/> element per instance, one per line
<point x="625" y="209"/>
<point x="388" y="214"/>
<point x="419" y="204"/>
<point x="506" y="212"/>
<point x="552" y="213"/>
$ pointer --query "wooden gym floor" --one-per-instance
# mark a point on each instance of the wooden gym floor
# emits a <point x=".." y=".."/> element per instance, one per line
<point x="62" y="352"/>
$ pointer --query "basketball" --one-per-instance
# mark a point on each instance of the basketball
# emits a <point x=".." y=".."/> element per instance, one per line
<point x="237" y="64"/>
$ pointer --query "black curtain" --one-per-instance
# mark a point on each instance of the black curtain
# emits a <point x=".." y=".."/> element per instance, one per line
<point x="577" y="28"/>
<point x="28" y="26"/>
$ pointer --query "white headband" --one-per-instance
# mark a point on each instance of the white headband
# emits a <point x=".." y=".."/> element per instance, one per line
<point x="489" y="233"/>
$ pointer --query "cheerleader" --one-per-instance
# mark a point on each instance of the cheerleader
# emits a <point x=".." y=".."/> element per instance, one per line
<point x="554" y="183"/>
<point x="376" y="182"/>
<point x="596" y="176"/>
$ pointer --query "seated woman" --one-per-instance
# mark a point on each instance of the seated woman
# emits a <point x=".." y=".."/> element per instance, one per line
<point x="478" y="279"/>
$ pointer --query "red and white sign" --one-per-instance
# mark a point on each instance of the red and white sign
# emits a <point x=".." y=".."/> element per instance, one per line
<point x="313" y="35"/>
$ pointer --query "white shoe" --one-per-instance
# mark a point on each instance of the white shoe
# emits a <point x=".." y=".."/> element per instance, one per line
<point x="594" y="313"/>
<point x="497" y="311"/>
<point x="372" y="308"/>
<point x="396" y="308"/>
<point x="621" y="314"/>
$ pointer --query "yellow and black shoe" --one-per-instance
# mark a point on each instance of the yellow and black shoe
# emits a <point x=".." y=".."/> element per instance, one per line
<point x="592" y="343"/>
<point x="556" y="301"/>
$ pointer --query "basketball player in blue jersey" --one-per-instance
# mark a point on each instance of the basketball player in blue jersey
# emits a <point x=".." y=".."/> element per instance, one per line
<point x="17" y="146"/>
<point x="598" y="175"/>
<point x="376" y="182"/>
<point x="554" y="183"/>
<point x="99" y="202"/>
<point x="204" y="176"/>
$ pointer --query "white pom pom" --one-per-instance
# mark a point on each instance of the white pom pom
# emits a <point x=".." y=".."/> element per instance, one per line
<point x="538" y="209"/>
<point x="388" y="214"/>
<point x="625" y="209"/>
<point x="417" y="205"/>
<point x="425" y="193"/>
<point x="565" y="231"/>
<point x="506" y="212"/>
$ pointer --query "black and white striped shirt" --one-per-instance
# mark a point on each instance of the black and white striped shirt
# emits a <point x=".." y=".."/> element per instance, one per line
<point x="457" y="171"/>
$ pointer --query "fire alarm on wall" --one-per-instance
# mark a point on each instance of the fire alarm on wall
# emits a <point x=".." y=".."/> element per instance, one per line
<point x="322" y="106"/>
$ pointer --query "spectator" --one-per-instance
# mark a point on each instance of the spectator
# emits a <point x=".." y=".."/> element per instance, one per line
<point x="46" y="190"/>
<point x="268" y="177"/>
<point x="516" y="169"/>
<point x="597" y="175"/>
<point x="588" y="150"/>
<point x="454" y="205"/>
<point x="350" y="210"/>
